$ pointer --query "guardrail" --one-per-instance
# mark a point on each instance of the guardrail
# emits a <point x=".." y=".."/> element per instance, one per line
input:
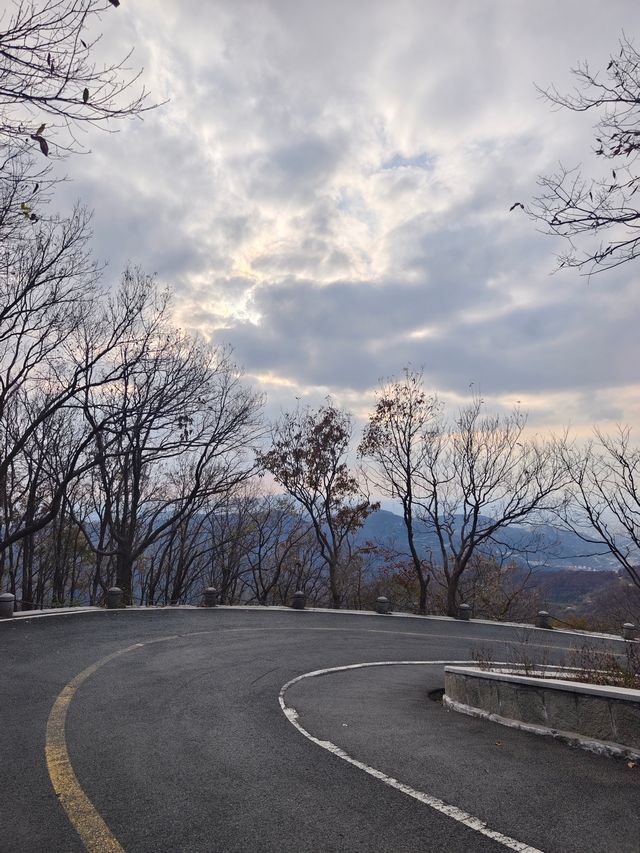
<point x="210" y="598"/>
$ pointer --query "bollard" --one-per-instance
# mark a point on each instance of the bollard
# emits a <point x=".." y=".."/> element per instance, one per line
<point x="543" y="620"/>
<point x="299" y="600"/>
<point x="210" y="596"/>
<point x="7" y="601"/>
<point x="383" y="605"/>
<point x="464" y="612"/>
<point x="628" y="631"/>
<point x="114" y="598"/>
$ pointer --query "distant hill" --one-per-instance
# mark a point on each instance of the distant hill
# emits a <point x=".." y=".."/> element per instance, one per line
<point x="546" y="546"/>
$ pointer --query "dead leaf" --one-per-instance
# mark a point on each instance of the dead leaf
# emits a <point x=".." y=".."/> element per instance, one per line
<point x="631" y="764"/>
<point x="42" y="142"/>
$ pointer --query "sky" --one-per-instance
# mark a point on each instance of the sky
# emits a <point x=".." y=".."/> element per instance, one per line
<point x="327" y="190"/>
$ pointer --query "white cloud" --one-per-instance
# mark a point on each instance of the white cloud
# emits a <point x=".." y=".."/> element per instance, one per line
<point x="328" y="190"/>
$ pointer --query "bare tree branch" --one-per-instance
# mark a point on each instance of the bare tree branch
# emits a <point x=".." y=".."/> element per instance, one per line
<point x="598" y="215"/>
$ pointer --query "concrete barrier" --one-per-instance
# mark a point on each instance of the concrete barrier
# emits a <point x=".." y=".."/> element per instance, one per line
<point x="598" y="718"/>
<point x="210" y="597"/>
<point x="114" y="598"/>
<point x="299" y="601"/>
<point x="7" y="604"/>
<point x="464" y="612"/>
<point x="543" y="620"/>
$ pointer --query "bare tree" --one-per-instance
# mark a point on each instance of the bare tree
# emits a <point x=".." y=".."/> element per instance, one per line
<point x="44" y="558"/>
<point x="308" y="458"/>
<point x="71" y="561"/>
<point x="51" y="85"/>
<point x="44" y="465"/>
<point x="174" y="427"/>
<point x="598" y="215"/>
<point x="173" y="569"/>
<point x="500" y="589"/>
<point x="47" y="69"/>
<point x="305" y="570"/>
<point x="56" y="341"/>
<point x="230" y="532"/>
<point x="56" y="328"/>
<point x="396" y="440"/>
<point x="58" y="331"/>
<point x="605" y="486"/>
<point x="480" y="476"/>
<point x="278" y="531"/>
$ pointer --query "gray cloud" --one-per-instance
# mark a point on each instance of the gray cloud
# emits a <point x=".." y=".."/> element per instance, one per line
<point x="328" y="190"/>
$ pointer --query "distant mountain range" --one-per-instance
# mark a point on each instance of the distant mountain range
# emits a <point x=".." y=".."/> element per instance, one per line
<point x="544" y="546"/>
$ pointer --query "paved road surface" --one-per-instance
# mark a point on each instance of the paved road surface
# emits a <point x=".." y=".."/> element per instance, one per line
<point x="180" y="744"/>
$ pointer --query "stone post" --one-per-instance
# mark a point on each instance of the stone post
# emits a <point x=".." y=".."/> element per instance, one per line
<point x="210" y="596"/>
<point x="383" y="605"/>
<point x="628" y="630"/>
<point x="464" y="612"/>
<point x="7" y="602"/>
<point x="543" y="620"/>
<point x="299" y="600"/>
<point x="114" y="598"/>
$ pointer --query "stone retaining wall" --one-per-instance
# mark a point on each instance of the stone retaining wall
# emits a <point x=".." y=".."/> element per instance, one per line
<point x="609" y="715"/>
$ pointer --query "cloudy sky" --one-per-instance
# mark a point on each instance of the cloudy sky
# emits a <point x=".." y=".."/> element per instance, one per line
<point x="328" y="187"/>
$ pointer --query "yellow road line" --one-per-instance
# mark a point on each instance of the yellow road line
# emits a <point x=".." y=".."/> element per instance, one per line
<point x="83" y="816"/>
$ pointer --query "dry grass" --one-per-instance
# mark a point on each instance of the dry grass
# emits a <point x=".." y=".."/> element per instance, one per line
<point x="588" y="663"/>
<point x="591" y="665"/>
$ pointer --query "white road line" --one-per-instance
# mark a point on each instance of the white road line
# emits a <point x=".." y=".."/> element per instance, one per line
<point x="433" y="802"/>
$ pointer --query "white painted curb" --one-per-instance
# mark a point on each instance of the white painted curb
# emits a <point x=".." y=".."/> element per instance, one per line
<point x="438" y="805"/>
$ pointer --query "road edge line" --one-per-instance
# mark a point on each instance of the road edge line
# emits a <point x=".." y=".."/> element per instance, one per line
<point x="438" y="805"/>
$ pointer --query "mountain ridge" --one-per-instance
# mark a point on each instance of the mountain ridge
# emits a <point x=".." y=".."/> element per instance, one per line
<point x="555" y="547"/>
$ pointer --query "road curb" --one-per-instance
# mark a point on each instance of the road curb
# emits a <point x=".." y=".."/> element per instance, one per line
<point x="70" y="611"/>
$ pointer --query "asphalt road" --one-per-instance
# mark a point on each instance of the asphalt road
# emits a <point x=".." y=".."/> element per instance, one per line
<point x="180" y="743"/>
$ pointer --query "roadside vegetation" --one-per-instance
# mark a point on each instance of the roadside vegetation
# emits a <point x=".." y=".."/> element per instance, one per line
<point x="589" y="662"/>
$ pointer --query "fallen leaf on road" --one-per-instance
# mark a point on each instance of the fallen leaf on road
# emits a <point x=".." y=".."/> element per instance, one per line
<point x="631" y="764"/>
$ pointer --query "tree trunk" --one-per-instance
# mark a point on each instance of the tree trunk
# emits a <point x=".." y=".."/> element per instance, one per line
<point x="26" y="594"/>
<point x="423" y="581"/>
<point x="124" y="574"/>
<point x="452" y="596"/>
<point x="333" y="586"/>
<point x="452" y="593"/>
<point x="424" y="584"/>
<point x="59" y="579"/>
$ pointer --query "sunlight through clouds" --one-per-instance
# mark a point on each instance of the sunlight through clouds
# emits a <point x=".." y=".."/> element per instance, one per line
<point x="328" y="188"/>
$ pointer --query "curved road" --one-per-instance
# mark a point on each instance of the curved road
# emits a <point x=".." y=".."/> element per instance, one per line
<point x="176" y="741"/>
